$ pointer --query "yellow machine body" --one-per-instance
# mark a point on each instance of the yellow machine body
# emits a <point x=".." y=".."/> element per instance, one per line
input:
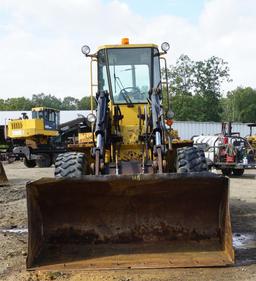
<point x="132" y="217"/>
<point x="251" y="138"/>
<point x="27" y="128"/>
<point x="252" y="141"/>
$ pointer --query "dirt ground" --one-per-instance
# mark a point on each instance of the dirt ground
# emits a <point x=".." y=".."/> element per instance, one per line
<point x="13" y="236"/>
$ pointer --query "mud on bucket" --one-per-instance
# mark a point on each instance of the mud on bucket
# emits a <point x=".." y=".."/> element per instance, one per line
<point x="147" y="221"/>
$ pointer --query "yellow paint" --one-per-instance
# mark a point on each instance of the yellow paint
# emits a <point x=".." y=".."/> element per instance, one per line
<point x="131" y="148"/>
<point x="131" y="127"/>
<point x="131" y="152"/>
<point x="127" y="46"/>
<point x="85" y="138"/>
<point x="43" y="108"/>
<point x="18" y="129"/>
<point x="130" y="133"/>
<point x="252" y="140"/>
<point x="130" y="113"/>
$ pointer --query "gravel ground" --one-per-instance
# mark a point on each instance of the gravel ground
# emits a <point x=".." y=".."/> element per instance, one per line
<point x="13" y="243"/>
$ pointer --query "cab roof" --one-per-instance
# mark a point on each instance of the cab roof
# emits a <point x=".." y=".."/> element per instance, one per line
<point x="126" y="46"/>
<point x="43" y="108"/>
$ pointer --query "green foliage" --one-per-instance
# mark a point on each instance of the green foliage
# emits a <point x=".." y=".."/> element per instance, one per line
<point x="180" y="105"/>
<point x="240" y="105"/>
<point x="195" y="88"/>
<point x="70" y="103"/>
<point x="46" y="100"/>
<point x="15" y="104"/>
<point x="85" y="102"/>
<point x="67" y="103"/>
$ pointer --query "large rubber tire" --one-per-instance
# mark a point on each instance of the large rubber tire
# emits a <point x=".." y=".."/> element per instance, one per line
<point x="226" y="172"/>
<point x="191" y="159"/>
<point x="29" y="163"/>
<point x="238" y="172"/>
<point x="44" y="160"/>
<point x="70" y="165"/>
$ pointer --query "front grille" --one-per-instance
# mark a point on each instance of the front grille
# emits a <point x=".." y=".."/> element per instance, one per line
<point x="16" y="125"/>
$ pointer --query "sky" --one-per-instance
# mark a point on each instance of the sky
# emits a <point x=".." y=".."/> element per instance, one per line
<point x="40" y="41"/>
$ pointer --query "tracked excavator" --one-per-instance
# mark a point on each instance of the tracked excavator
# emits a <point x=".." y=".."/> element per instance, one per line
<point x="127" y="194"/>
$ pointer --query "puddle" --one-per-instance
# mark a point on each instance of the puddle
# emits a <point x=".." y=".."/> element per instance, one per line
<point x="15" y="230"/>
<point x="244" y="240"/>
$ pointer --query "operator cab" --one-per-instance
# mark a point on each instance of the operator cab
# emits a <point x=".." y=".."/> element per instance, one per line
<point x="128" y="73"/>
<point x="50" y="116"/>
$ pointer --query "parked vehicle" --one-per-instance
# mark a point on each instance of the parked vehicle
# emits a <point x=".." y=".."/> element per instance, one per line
<point x="227" y="151"/>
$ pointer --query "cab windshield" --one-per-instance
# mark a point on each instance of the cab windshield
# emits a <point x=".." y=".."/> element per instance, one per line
<point x="130" y="73"/>
<point x="51" y="118"/>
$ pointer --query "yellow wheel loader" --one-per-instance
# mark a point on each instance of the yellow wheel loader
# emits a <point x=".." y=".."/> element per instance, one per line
<point x="128" y="195"/>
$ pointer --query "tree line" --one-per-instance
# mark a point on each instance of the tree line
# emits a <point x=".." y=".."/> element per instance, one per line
<point x="195" y="94"/>
<point x="47" y="100"/>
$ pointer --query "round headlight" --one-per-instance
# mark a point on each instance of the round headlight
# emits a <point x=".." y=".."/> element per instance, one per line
<point x="165" y="46"/>
<point x="85" y="50"/>
<point x="91" y="118"/>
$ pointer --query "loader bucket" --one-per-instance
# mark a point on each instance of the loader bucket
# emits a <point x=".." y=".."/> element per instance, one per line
<point x="3" y="177"/>
<point x="117" y="222"/>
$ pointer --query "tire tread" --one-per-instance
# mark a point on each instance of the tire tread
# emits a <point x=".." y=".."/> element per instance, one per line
<point x="70" y="165"/>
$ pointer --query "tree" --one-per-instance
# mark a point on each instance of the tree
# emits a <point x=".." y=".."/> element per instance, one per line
<point x="15" y="104"/>
<point x="240" y="105"/>
<point x="46" y="100"/>
<point x="180" y="76"/>
<point x="208" y="76"/>
<point x="181" y="87"/>
<point x="184" y="107"/>
<point x="85" y="103"/>
<point x="70" y="103"/>
<point x="196" y="88"/>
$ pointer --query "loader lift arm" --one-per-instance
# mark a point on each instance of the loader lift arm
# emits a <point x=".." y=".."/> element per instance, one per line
<point x="100" y="128"/>
<point x="157" y="115"/>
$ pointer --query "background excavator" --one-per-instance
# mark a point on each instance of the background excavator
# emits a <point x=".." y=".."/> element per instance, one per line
<point x="127" y="195"/>
<point x="41" y="138"/>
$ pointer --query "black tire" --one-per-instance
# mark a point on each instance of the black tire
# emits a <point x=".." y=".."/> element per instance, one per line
<point x="226" y="172"/>
<point x="29" y="163"/>
<point x="70" y="165"/>
<point x="191" y="159"/>
<point x="238" y="172"/>
<point x="44" y="160"/>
